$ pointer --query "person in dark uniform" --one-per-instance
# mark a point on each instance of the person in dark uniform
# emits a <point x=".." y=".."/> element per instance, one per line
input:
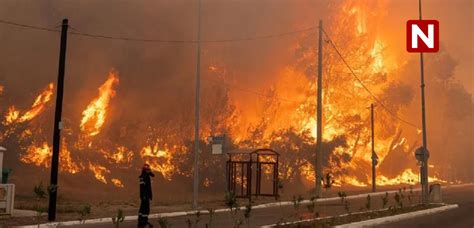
<point x="146" y="195"/>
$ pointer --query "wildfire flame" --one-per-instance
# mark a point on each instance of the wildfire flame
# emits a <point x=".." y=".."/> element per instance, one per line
<point x="117" y="182"/>
<point x="121" y="156"/>
<point x="40" y="155"/>
<point x="38" y="107"/>
<point x="93" y="117"/>
<point x="289" y="106"/>
<point x="99" y="172"/>
<point x="159" y="160"/>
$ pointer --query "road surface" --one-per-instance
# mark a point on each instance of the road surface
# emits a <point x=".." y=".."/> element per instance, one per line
<point x="463" y="216"/>
<point x="460" y="217"/>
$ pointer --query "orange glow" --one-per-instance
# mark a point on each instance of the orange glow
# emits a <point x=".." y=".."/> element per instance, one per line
<point x="12" y="115"/>
<point x="160" y="160"/>
<point x="40" y="155"/>
<point x="37" y="108"/>
<point x="284" y="103"/>
<point x="117" y="182"/>
<point x="121" y="155"/>
<point x="99" y="172"/>
<point x="39" y="104"/>
<point x="93" y="117"/>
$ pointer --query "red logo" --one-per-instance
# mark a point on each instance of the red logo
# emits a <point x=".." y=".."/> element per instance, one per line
<point x="422" y="36"/>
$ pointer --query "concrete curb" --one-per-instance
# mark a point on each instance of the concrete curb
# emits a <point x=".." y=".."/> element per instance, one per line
<point x="373" y="222"/>
<point x="395" y="218"/>
<point x="184" y="213"/>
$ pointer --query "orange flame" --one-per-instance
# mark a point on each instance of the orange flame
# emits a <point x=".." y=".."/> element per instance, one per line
<point x="93" y="117"/>
<point x="41" y="155"/>
<point x="12" y="115"/>
<point x="37" y="108"/>
<point x="117" y="182"/>
<point x="99" y="172"/>
<point x="159" y="160"/>
<point x="39" y="104"/>
<point x="121" y="156"/>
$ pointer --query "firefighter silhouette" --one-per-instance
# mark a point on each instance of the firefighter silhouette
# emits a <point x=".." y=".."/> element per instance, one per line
<point x="146" y="195"/>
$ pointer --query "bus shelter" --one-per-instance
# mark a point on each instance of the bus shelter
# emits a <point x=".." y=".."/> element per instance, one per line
<point x="253" y="173"/>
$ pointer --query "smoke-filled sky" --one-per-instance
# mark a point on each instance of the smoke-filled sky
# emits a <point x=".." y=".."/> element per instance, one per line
<point x="157" y="79"/>
<point x="32" y="55"/>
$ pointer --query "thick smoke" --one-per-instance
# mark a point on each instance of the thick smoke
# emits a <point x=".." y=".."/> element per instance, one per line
<point x="155" y="96"/>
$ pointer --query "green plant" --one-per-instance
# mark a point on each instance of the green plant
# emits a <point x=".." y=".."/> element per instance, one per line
<point x="238" y="223"/>
<point x="346" y="207"/>
<point x="342" y="195"/>
<point x="84" y="212"/>
<point x="247" y="213"/>
<point x="368" y="203"/>
<point x="40" y="191"/>
<point x="385" y="200"/>
<point x="117" y="220"/>
<point x="401" y="192"/>
<point x="410" y="195"/>
<point x="40" y="194"/>
<point x="197" y="218"/>
<point x="211" y="216"/>
<point x="39" y="212"/>
<point x="296" y="204"/>
<point x="189" y="223"/>
<point x="312" y="207"/>
<point x="163" y="222"/>
<point x="398" y="199"/>
<point x="280" y="189"/>
<point x="231" y="202"/>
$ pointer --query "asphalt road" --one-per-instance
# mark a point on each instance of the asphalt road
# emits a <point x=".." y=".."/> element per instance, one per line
<point x="463" y="216"/>
<point x="460" y="217"/>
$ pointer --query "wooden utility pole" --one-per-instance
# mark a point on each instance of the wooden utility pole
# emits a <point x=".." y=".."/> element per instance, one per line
<point x="319" y="119"/>
<point x="424" y="166"/>
<point x="53" y="193"/>
<point x="374" y="155"/>
<point x="197" y="113"/>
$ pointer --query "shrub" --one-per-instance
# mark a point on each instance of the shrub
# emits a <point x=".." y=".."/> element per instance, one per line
<point x="368" y="203"/>
<point x="40" y="191"/>
<point x="163" y="222"/>
<point x="296" y="204"/>
<point x="385" y="200"/>
<point x="117" y="220"/>
<point x="84" y="212"/>
<point x="211" y="216"/>
<point x="312" y="207"/>
<point x="342" y="195"/>
<point x="398" y="199"/>
<point x="247" y="213"/>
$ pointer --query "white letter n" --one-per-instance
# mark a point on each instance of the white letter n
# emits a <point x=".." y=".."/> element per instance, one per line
<point x="416" y="32"/>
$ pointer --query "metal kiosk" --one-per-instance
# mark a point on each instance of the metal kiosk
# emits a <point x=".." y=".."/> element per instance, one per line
<point x="244" y="171"/>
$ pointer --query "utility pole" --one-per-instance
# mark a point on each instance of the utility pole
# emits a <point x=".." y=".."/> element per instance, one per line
<point x="53" y="190"/>
<point x="374" y="155"/>
<point x="319" y="119"/>
<point x="197" y="113"/>
<point x="424" y="166"/>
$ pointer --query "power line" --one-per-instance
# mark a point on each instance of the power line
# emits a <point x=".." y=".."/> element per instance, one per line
<point x="109" y="37"/>
<point x="364" y="86"/>
<point x="99" y="36"/>
<point x="29" y="26"/>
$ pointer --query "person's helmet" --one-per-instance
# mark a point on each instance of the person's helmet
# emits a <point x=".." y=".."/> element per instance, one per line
<point x="146" y="167"/>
